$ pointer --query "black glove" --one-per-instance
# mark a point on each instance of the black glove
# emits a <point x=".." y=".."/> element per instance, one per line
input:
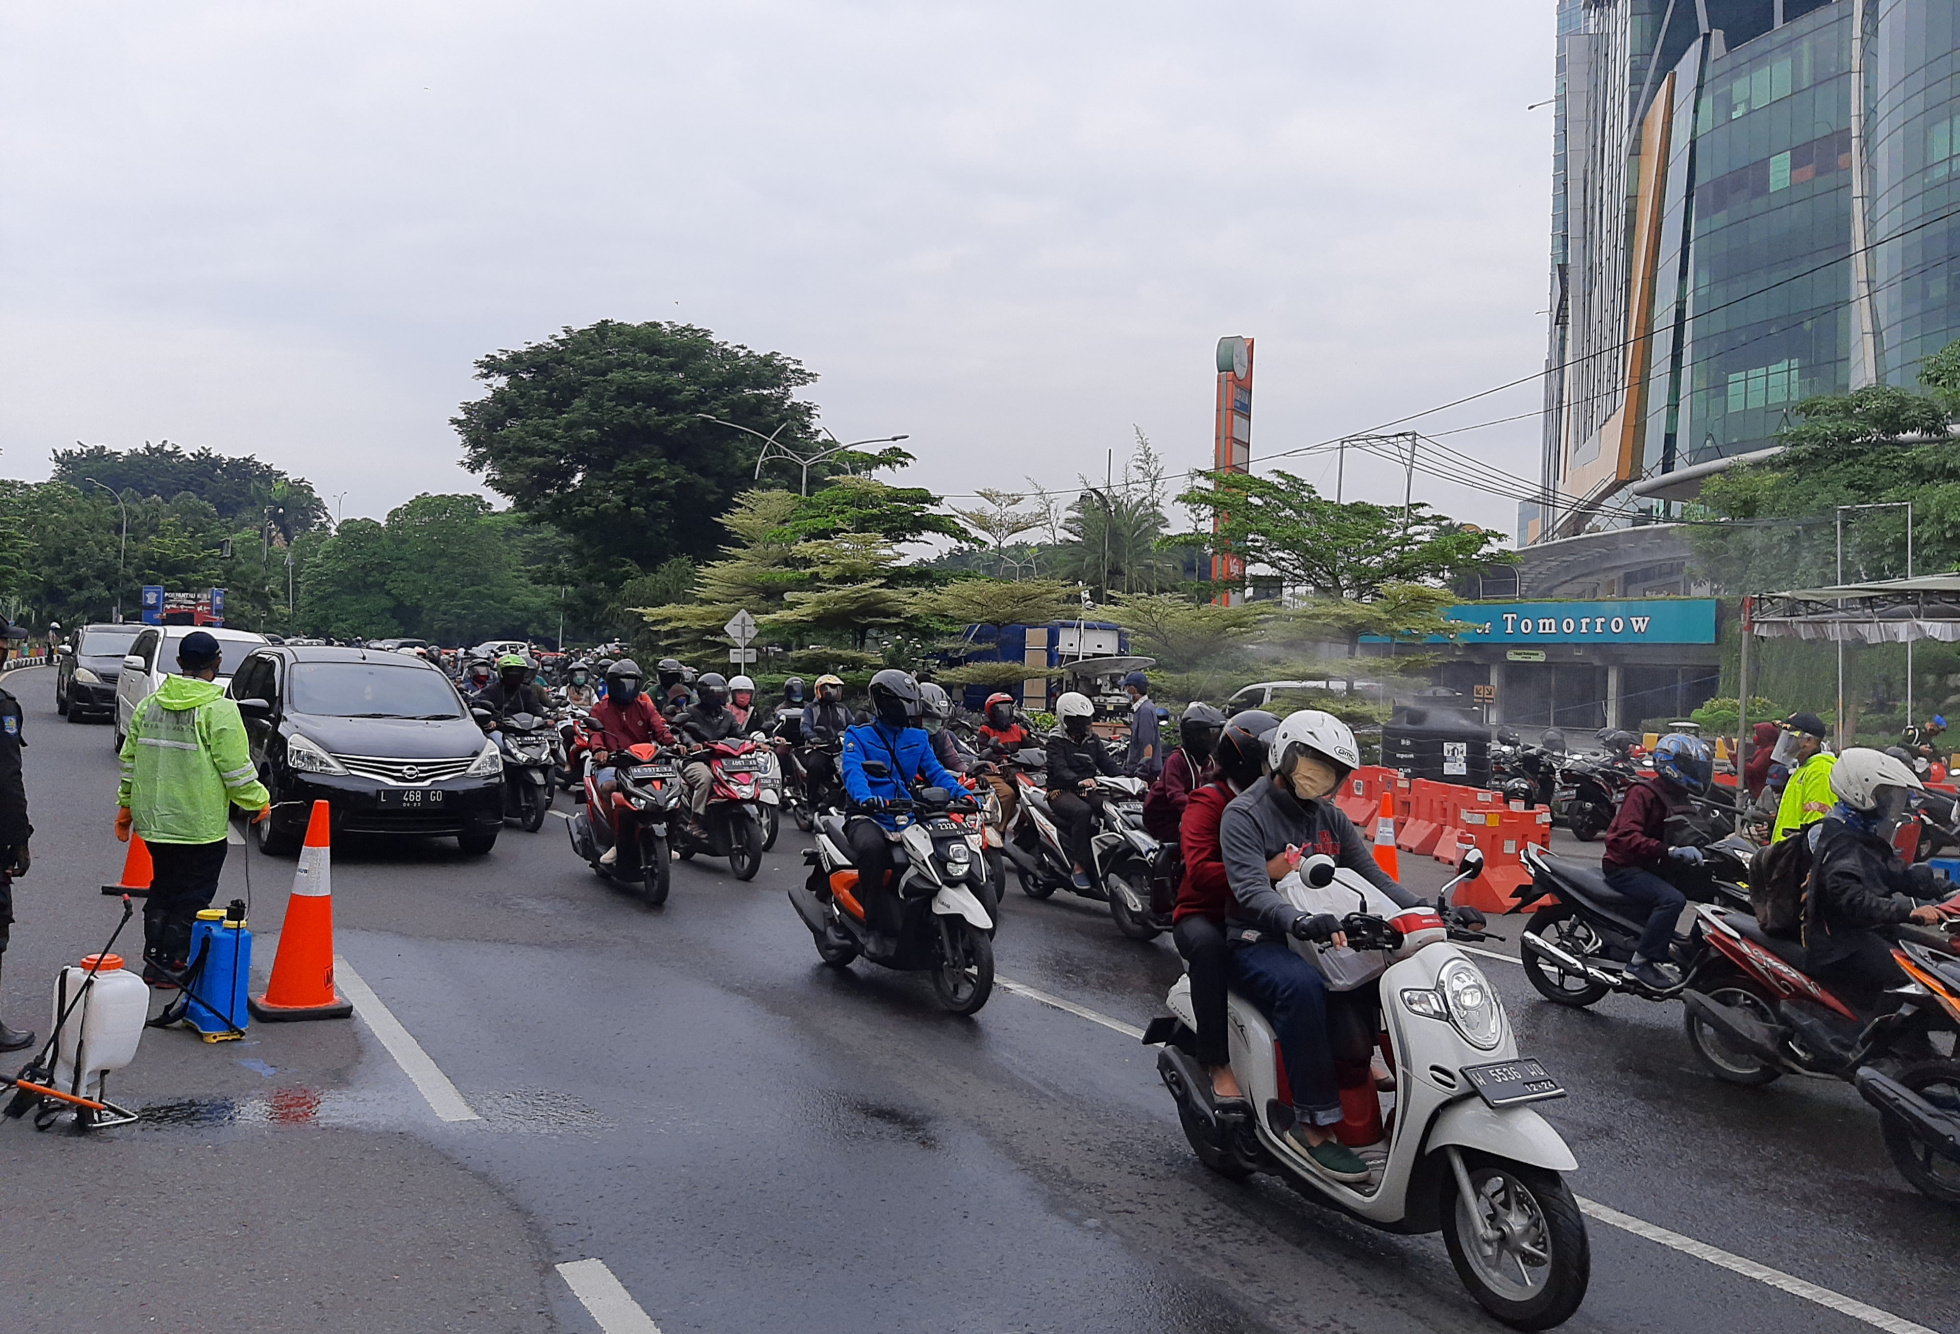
<point x="873" y="803"/>
<point x="1466" y="917"/>
<point x="1319" y="927"/>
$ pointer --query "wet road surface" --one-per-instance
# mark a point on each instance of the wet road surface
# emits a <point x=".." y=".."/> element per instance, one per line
<point x="751" y="1141"/>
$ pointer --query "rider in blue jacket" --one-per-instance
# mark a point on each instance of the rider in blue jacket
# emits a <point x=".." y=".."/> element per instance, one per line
<point x="895" y="739"/>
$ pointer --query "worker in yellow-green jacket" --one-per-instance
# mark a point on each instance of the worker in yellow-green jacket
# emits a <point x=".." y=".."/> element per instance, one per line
<point x="1807" y="797"/>
<point x="185" y="765"/>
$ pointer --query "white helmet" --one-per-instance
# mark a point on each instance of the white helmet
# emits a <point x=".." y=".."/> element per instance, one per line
<point x="741" y="683"/>
<point x="1074" y="704"/>
<point x="1311" y="729"/>
<point x="1861" y="771"/>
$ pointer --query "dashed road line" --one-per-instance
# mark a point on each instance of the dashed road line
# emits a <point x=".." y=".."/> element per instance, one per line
<point x="1491" y="954"/>
<point x="606" y="1298"/>
<point x="1700" y="1250"/>
<point x="561" y="815"/>
<point x="424" y="1073"/>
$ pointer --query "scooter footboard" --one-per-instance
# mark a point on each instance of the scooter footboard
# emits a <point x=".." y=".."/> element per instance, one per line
<point x="1516" y="1133"/>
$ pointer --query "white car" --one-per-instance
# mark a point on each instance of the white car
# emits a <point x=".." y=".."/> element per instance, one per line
<point x="1262" y="694"/>
<point x="153" y="656"/>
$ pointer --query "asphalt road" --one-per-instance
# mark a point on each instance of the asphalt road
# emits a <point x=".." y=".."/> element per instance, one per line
<point x="750" y="1141"/>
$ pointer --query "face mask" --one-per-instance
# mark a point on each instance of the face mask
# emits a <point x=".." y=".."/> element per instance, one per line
<point x="1313" y="778"/>
<point x="932" y="725"/>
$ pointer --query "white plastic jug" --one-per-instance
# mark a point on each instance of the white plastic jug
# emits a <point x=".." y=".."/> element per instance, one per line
<point x="102" y="1033"/>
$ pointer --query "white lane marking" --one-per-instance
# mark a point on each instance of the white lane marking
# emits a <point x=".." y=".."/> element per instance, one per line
<point x="1080" y="1011"/>
<point x="427" y="1077"/>
<point x="1490" y="954"/>
<point x="606" y="1298"/>
<point x="1700" y="1250"/>
<point x="560" y="814"/>
<point x="1775" y="1278"/>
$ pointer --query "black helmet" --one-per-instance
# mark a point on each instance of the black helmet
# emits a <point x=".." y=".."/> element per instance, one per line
<point x="1241" y="749"/>
<point x="623" y="680"/>
<point x="936" y="702"/>
<point x="1553" y="740"/>
<point x="1198" y="729"/>
<point x="1521" y="789"/>
<point x="669" y="670"/>
<point x="713" y="690"/>
<point x="793" y="690"/>
<point x="895" y="699"/>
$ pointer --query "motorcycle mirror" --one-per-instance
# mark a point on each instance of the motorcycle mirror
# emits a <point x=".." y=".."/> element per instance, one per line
<point x="1473" y="864"/>
<point x="1317" y="871"/>
<point x="877" y="769"/>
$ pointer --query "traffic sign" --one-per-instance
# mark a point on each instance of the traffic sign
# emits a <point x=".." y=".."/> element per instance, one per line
<point x="1484" y="694"/>
<point x="741" y="629"/>
<point x="741" y="655"/>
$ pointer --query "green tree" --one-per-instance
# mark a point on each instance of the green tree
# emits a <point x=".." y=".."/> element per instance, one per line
<point x="600" y="431"/>
<point x="345" y="591"/>
<point x="455" y="569"/>
<point x="994" y="604"/>
<point x="1113" y="535"/>
<point x="243" y="490"/>
<point x="849" y="505"/>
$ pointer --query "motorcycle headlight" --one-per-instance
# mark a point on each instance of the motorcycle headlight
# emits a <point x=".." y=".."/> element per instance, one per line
<point x="309" y="757"/>
<point x="957" y="855"/>
<point x="489" y="763"/>
<point x="87" y="677"/>
<point x="1428" y="1004"/>
<point x="1472" y="1004"/>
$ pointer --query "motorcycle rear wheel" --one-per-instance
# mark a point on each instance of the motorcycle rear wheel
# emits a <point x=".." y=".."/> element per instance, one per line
<point x="1931" y="1175"/>
<point x="1122" y="884"/>
<point x="655" y="871"/>
<point x="1208" y="1153"/>
<point x="1590" y="821"/>
<point x="1713" y="1051"/>
<point x="1564" y="928"/>
<point x="744" y="845"/>
<point x="1031" y="882"/>
<point x="965" y="982"/>
<point x="1535" y="1274"/>
<point x="837" y="956"/>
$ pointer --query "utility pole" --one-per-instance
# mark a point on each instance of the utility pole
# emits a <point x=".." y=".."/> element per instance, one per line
<point x="1377" y="444"/>
<point x="122" y="548"/>
<point x="1905" y="505"/>
<point x="1109" y="515"/>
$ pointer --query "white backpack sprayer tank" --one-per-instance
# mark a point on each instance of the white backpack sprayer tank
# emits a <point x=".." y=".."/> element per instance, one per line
<point x="101" y="1035"/>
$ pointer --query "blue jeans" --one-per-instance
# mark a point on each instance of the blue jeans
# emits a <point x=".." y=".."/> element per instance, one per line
<point x="1662" y="901"/>
<point x="1289" y="992"/>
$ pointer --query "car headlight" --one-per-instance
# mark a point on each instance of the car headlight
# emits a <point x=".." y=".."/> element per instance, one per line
<point x="87" y="677"/>
<point x="1473" y="1005"/>
<point x="309" y="757"/>
<point x="488" y="764"/>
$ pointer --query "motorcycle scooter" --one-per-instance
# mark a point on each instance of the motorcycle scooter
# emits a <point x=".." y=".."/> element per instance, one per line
<point x="649" y="798"/>
<point x="947" y="909"/>
<point x="1121" y="853"/>
<point x="528" y="765"/>
<point x="1464" y="1151"/>
<point x="732" y="825"/>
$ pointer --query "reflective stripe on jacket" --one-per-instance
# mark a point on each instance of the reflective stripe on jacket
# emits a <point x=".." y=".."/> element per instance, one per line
<point x="185" y="764"/>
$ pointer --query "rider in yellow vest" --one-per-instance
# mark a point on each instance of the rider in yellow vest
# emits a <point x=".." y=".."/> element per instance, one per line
<point x="1807" y="796"/>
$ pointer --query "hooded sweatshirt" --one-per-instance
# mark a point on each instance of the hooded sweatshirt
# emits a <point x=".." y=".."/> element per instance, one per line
<point x="185" y="764"/>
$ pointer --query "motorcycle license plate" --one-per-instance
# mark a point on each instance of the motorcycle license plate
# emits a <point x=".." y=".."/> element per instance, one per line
<point x="941" y="825"/>
<point x="650" y="771"/>
<point x="739" y="767"/>
<point x="411" y="798"/>
<point x="1508" y="1083"/>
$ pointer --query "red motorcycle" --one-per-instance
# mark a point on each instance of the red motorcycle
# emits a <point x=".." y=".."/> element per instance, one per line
<point x="732" y="825"/>
<point x="635" y="818"/>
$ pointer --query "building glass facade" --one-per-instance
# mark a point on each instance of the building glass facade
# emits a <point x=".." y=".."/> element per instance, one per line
<point x="1750" y="203"/>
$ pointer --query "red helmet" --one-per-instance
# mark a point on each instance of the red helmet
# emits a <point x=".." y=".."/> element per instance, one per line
<point x="1000" y="710"/>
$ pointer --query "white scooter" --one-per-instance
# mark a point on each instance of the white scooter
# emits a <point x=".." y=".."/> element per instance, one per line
<point x="1462" y="1151"/>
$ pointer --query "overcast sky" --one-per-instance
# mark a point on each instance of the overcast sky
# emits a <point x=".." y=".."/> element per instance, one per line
<point x="1010" y="230"/>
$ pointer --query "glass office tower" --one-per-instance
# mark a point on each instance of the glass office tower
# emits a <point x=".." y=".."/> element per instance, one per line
<point x="1752" y="204"/>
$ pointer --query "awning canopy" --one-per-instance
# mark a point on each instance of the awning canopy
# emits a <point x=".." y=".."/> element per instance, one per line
<point x="1892" y="611"/>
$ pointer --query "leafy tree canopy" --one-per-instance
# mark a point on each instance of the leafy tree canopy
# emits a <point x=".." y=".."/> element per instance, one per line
<point x="243" y="490"/>
<point x="601" y="432"/>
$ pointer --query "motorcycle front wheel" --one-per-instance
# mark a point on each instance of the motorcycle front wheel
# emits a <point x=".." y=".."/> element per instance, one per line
<point x="1125" y="883"/>
<point x="964" y="979"/>
<point x="772" y="825"/>
<point x="534" y="803"/>
<point x="1533" y="1270"/>
<point x="744" y="845"/>
<point x="655" y="870"/>
<point x="1559" y="925"/>
<point x="1931" y="1174"/>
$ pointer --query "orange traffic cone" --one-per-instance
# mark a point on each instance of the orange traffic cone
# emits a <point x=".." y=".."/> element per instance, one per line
<point x="137" y="870"/>
<point x="1385" y="855"/>
<point x="302" y="970"/>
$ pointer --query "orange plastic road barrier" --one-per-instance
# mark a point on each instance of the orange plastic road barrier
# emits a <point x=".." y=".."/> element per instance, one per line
<point x="302" y="971"/>
<point x="137" y="870"/>
<point x="1385" y="855"/>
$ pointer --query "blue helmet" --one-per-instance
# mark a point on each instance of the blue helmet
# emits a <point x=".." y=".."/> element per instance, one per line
<point x="1939" y="720"/>
<point x="1686" y="761"/>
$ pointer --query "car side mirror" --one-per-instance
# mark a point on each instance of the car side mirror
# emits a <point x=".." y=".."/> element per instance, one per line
<point x="876" y="769"/>
<point x="258" y="710"/>
<point x="62" y="650"/>
<point x="1317" y="871"/>
<point x="481" y="714"/>
<point x="133" y="663"/>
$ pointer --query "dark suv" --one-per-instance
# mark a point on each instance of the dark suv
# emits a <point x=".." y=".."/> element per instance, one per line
<point x="383" y="738"/>
<point x="85" y="672"/>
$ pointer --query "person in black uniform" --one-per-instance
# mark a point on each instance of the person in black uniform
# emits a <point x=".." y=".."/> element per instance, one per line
<point x="14" y="834"/>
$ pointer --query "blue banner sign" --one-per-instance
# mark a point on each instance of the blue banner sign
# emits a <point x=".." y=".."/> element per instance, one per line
<point x="1635" y="621"/>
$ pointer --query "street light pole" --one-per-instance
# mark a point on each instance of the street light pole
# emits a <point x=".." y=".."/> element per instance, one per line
<point x="1905" y="505"/>
<point x="122" y="548"/>
<point x="769" y="443"/>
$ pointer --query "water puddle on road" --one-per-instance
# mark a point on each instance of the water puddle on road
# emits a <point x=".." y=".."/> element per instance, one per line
<point x="859" y="1118"/>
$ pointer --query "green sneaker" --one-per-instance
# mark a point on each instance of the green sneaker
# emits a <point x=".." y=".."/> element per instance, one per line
<point x="1334" y="1159"/>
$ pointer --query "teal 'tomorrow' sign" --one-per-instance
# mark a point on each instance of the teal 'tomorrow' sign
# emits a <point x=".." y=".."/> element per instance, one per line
<point x="1634" y="621"/>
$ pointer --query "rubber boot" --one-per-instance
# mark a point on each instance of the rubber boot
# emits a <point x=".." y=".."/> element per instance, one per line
<point x="13" y="1039"/>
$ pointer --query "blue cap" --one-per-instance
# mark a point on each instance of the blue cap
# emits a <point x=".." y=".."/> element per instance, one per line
<point x="198" y="649"/>
<point x="1939" y="720"/>
<point x="1137" y="679"/>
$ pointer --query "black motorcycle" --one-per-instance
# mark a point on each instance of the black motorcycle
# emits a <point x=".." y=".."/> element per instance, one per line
<point x="1588" y="795"/>
<point x="530" y="760"/>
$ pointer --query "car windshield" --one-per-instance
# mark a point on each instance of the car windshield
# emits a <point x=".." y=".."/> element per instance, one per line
<point x="371" y="690"/>
<point x="109" y="643"/>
